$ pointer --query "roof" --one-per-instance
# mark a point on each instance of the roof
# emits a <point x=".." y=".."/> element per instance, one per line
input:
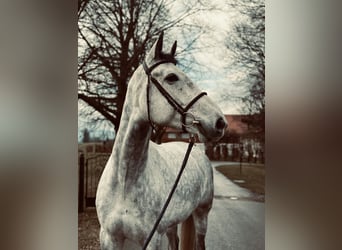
<point x="236" y="124"/>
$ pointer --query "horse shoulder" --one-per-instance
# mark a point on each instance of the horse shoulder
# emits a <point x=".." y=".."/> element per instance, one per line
<point x="198" y="173"/>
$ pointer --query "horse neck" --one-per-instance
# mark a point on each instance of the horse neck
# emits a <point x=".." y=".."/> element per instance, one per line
<point x="130" y="149"/>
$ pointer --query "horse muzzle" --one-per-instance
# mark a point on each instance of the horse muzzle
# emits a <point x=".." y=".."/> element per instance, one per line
<point x="210" y="131"/>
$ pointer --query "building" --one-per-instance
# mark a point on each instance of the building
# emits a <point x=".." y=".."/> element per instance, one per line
<point x="241" y="140"/>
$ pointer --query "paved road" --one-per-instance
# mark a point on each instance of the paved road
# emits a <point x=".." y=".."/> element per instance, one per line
<point x="235" y="224"/>
<point x="236" y="220"/>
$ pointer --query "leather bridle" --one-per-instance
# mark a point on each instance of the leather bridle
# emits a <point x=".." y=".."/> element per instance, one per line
<point x="182" y="111"/>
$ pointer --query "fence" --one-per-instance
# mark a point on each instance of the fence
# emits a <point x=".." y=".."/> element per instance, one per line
<point x="235" y="152"/>
<point x="90" y="170"/>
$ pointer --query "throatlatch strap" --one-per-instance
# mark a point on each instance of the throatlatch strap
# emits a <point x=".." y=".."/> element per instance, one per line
<point x="148" y="101"/>
<point x="148" y="71"/>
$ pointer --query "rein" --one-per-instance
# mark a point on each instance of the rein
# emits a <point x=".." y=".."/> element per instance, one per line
<point x="183" y="112"/>
<point x="185" y="160"/>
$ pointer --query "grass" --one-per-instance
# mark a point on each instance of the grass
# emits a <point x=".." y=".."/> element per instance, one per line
<point x="252" y="174"/>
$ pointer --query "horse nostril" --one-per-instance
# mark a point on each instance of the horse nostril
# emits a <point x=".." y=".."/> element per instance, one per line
<point x="220" y="124"/>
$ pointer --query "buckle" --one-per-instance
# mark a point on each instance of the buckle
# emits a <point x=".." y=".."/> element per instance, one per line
<point x="193" y="121"/>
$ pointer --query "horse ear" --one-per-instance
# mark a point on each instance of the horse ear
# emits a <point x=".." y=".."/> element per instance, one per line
<point x="159" y="46"/>
<point x="173" y="49"/>
<point x="156" y="50"/>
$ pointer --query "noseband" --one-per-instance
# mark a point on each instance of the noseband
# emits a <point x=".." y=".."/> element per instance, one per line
<point x="182" y="111"/>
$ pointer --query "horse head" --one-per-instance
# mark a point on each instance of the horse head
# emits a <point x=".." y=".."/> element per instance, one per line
<point x="174" y="100"/>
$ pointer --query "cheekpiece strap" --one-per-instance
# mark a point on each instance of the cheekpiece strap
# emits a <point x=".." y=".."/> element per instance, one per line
<point x="169" y="98"/>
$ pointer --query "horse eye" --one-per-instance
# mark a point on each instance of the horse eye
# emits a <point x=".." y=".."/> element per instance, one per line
<point x="171" y="78"/>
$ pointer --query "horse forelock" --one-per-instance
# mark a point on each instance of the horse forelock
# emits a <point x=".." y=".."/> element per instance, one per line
<point x="162" y="57"/>
<point x="167" y="57"/>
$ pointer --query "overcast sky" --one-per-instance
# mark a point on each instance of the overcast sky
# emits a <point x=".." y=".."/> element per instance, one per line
<point x="213" y="76"/>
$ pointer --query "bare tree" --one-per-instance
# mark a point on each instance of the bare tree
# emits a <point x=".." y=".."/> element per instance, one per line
<point x="246" y="44"/>
<point x="113" y="36"/>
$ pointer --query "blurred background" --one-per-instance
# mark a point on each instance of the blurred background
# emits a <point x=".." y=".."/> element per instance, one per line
<point x="41" y="55"/>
